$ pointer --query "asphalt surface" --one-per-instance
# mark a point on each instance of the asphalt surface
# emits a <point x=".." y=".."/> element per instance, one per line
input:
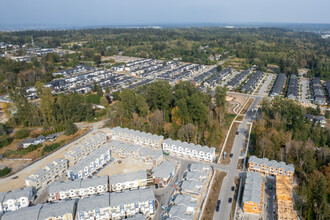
<point x="269" y="198"/>
<point x="305" y="92"/>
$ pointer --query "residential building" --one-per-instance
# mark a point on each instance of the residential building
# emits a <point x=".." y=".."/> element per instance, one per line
<point x="90" y="164"/>
<point x="136" y="152"/>
<point x="196" y="176"/>
<point x="273" y="168"/>
<point x="317" y="91"/>
<point x="65" y="210"/>
<point x="200" y="167"/>
<point x="16" y="199"/>
<point x="253" y="193"/>
<point x="117" y="205"/>
<point x="31" y="141"/>
<point x="164" y="172"/>
<point x="278" y="85"/>
<point x="137" y="137"/>
<point x="23" y="214"/>
<point x="327" y="91"/>
<point x="128" y="181"/>
<point x="188" y="202"/>
<point x="293" y="88"/>
<point x="83" y="149"/>
<point x="184" y="149"/>
<point x="234" y="83"/>
<point x="284" y="199"/>
<point x="320" y="119"/>
<point x="79" y="188"/>
<point x="192" y="187"/>
<point x="251" y="82"/>
<point x="47" y="174"/>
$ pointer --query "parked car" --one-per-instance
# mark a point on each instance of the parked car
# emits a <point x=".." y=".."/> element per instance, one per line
<point x="237" y="132"/>
<point x="230" y="200"/>
<point x="231" y="155"/>
<point x="232" y="188"/>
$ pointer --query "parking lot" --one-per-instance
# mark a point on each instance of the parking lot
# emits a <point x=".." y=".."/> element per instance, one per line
<point x="269" y="198"/>
<point x="304" y="91"/>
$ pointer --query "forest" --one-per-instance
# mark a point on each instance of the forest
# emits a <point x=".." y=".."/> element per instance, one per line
<point x="180" y="112"/>
<point x="282" y="133"/>
<point x="288" y="49"/>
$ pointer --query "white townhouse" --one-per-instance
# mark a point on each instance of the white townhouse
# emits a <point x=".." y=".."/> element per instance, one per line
<point x="90" y="164"/>
<point x="184" y="207"/>
<point x="163" y="173"/>
<point x="192" y="187"/>
<point x="16" y="199"/>
<point x="137" y="137"/>
<point x="192" y="151"/>
<point x="47" y="174"/>
<point x="200" y="167"/>
<point x="127" y="181"/>
<point x="85" y="148"/>
<point x="79" y="188"/>
<point x="117" y="205"/>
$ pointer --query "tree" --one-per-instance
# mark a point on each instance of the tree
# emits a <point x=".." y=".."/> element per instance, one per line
<point x="107" y="90"/>
<point x="219" y="68"/>
<point x="104" y="102"/>
<point x="220" y="96"/>
<point x="22" y="133"/>
<point x="71" y="128"/>
<point x="97" y="59"/>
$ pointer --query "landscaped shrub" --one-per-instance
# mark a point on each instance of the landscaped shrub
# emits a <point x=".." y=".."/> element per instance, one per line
<point x="22" y="133"/>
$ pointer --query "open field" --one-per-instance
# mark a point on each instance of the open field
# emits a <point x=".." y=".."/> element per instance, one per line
<point x="233" y="100"/>
<point x="237" y="63"/>
<point x="211" y="202"/>
<point x="229" y="144"/>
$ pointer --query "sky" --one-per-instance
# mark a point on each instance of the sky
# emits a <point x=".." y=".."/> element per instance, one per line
<point x="134" y="12"/>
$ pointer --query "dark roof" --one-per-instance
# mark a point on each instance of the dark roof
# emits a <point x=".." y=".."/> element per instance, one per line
<point x="252" y="81"/>
<point x="278" y="85"/>
<point x="293" y="87"/>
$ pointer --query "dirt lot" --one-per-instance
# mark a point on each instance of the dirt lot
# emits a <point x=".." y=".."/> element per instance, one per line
<point x="229" y="144"/>
<point x="212" y="199"/>
<point x="247" y="106"/>
<point x="120" y="59"/>
<point x="233" y="100"/>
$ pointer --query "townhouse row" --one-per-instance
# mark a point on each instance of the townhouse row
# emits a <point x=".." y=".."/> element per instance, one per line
<point x="85" y="148"/>
<point x="273" y="168"/>
<point x="137" y="137"/>
<point x="106" y="206"/>
<point x="164" y="173"/>
<point x="16" y="199"/>
<point x="189" y="150"/>
<point x="128" y="181"/>
<point x="253" y="193"/>
<point x="80" y="188"/>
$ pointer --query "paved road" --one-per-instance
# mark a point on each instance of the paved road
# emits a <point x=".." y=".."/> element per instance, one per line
<point x="269" y="198"/>
<point x="305" y="92"/>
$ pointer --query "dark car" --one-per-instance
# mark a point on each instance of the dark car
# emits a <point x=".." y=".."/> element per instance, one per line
<point x="217" y="208"/>
<point x="237" y="132"/>
<point x="232" y="188"/>
<point x="218" y="202"/>
<point x="231" y="155"/>
<point x="230" y="200"/>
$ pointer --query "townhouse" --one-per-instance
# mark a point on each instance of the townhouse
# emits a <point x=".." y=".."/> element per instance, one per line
<point x="199" y="167"/>
<point x="31" y="141"/>
<point x="192" y="151"/>
<point x="293" y="88"/>
<point x="218" y="76"/>
<point x="251" y="82"/>
<point x="327" y="90"/>
<point x="128" y="181"/>
<point x="85" y="148"/>
<point x="253" y="193"/>
<point x="192" y="187"/>
<point x="90" y="164"/>
<point x="278" y="85"/>
<point x="23" y="214"/>
<point x="273" y="168"/>
<point x="320" y="119"/>
<point x="284" y="199"/>
<point x="163" y="173"/>
<point x="16" y="199"/>
<point x="117" y="205"/>
<point x="196" y="176"/>
<point x="317" y="92"/>
<point x="47" y="174"/>
<point x="137" y="137"/>
<point x="188" y="202"/>
<point x="65" y="210"/>
<point x="136" y="152"/>
<point x="234" y="83"/>
<point x="79" y="188"/>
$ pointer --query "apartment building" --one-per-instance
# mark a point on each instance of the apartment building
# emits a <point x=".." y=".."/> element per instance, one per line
<point x="253" y="193"/>
<point x="192" y="151"/>
<point x="85" y="148"/>
<point x="26" y="213"/>
<point x="79" y="188"/>
<point x="273" y="168"/>
<point x="117" y="205"/>
<point x="192" y="187"/>
<point x="128" y="181"/>
<point x="65" y="210"/>
<point x="90" y="164"/>
<point x="137" y="137"/>
<point x="136" y="152"/>
<point x="196" y="176"/>
<point x="47" y="174"/>
<point x="163" y="173"/>
<point x="284" y="199"/>
<point x="16" y="199"/>
<point x="200" y="167"/>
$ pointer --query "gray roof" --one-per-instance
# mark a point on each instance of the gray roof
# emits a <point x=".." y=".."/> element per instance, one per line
<point x="137" y="217"/>
<point x="195" y="175"/>
<point x="78" y="183"/>
<point x="138" y="133"/>
<point x="178" y="212"/>
<point x="252" y="188"/>
<point x="128" y="197"/>
<point x="46" y="169"/>
<point x="94" y="202"/>
<point x="87" y="160"/>
<point x="192" y="186"/>
<point x="252" y="81"/>
<point x="57" y="209"/>
<point x="130" y="176"/>
<point x="238" y="78"/>
<point x="278" y="85"/>
<point x="18" y="193"/>
<point x="198" y="167"/>
<point x="272" y="163"/>
<point x="293" y="87"/>
<point x="23" y="213"/>
<point x="191" y="146"/>
<point x="186" y="200"/>
<point x="164" y="169"/>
